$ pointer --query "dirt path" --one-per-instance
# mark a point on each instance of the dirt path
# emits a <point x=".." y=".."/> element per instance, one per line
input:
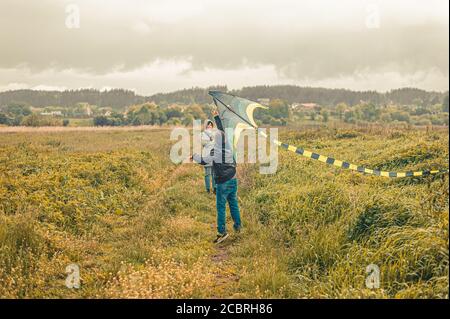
<point x="225" y="273"/>
<point x="226" y="276"/>
<point x="183" y="232"/>
<point x="219" y="259"/>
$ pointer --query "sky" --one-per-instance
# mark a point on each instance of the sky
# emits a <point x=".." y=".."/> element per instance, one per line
<point x="152" y="46"/>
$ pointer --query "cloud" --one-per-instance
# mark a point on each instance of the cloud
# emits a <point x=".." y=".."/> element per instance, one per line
<point x="299" y="41"/>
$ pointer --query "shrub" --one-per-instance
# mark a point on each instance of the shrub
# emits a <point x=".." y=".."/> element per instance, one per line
<point x="347" y="134"/>
<point x="39" y="120"/>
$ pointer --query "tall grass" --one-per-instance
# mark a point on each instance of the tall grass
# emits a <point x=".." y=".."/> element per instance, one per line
<point x="141" y="227"/>
<point x="325" y="225"/>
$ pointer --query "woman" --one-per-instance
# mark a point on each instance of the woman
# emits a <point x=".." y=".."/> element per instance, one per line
<point x="207" y="146"/>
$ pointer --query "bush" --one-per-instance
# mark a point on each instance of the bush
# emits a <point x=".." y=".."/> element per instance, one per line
<point x="101" y="120"/>
<point x="40" y="120"/>
<point x="400" y="116"/>
<point x="347" y="134"/>
<point x="3" y="118"/>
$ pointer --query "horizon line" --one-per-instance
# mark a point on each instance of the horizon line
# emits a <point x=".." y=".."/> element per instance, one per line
<point x="102" y="90"/>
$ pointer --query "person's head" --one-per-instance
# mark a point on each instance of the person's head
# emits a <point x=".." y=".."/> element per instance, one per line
<point x="209" y="125"/>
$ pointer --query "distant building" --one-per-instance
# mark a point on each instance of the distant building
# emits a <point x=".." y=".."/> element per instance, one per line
<point x="52" y="113"/>
<point x="263" y="101"/>
<point x="309" y="106"/>
<point x="303" y="106"/>
<point x="295" y="106"/>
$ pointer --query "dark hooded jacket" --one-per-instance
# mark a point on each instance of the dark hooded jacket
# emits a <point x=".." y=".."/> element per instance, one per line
<point x="221" y="156"/>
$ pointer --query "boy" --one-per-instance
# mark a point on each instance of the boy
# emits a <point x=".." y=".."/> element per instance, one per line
<point x="208" y="145"/>
<point x="224" y="166"/>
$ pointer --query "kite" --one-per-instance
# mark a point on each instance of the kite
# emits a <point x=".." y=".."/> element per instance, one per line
<point x="237" y="115"/>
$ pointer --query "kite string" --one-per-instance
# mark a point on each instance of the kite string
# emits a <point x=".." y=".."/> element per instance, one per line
<point x="332" y="161"/>
<point x="347" y="165"/>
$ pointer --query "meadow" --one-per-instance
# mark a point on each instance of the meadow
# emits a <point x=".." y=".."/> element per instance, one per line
<point x="140" y="226"/>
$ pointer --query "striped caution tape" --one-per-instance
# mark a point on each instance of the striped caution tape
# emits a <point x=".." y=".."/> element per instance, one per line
<point x="353" y="167"/>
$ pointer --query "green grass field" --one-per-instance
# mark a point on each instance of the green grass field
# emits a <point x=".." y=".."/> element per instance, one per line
<point x="140" y="226"/>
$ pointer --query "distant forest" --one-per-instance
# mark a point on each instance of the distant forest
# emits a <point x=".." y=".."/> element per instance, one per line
<point x="119" y="99"/>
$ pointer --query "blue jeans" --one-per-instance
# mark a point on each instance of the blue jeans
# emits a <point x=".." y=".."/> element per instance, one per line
<point x="227" y="192"/>
<point x="209" y="178"/>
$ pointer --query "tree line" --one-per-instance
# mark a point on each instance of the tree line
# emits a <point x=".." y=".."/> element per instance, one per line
<point x="412" y="106"/>
<point x="117" y="98"/>
<point x="120" y="99"/>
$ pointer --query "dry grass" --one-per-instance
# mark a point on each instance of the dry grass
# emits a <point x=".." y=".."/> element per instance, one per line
<point x="52" y="129"/>
<point x="141" y="227"/>
<point x="162" y="277"/>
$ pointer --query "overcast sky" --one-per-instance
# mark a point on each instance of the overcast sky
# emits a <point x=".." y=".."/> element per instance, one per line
<point x="158" y="46"/>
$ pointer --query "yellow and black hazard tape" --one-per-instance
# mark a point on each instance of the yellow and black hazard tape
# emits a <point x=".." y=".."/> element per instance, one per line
<point x="353" y="167"/>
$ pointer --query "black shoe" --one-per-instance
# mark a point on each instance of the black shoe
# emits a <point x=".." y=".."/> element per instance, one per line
<point x="208" y="191"/>
<point x="220" y="238"/>
<point x="214" y="191"/>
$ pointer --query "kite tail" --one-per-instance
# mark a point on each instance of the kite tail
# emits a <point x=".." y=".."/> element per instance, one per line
<point x="353" y="167"/>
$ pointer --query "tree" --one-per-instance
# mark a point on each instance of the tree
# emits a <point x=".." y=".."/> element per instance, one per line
<point x="421" y="111"/>
<point x="278" y="109"/>
<point x="31" y="120"/>
<point x="349" y="117"/>
<point x="188" y="120"/>
<point x="435" y="100"/>
<point x="17" y="109"/>
<point x="325" y="116"/>
<point x="119" y="99"/>
<point x="144" y="114"/>
<point x="445" y="104"/>
<point x="400" y="116"/>
<point x="3" y="118"/>
<point x="195" y="111"/>
<point x="386" y="117"/>
<point x="340" y="109"/>
<point x="370" y="112"/>
<point x="101" y="120"/>
<point x="174" y="111"/>
<point x="39" y="120"/>
<point x="418" y="102"/>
